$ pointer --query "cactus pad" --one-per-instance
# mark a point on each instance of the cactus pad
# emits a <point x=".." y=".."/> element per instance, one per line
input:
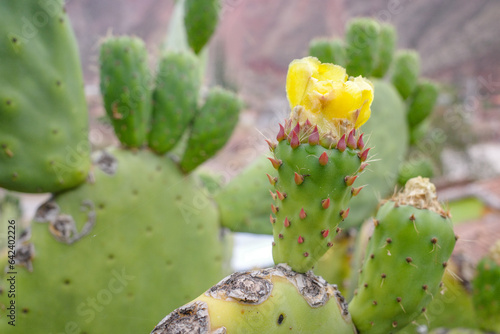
<point x="273" y="300"/>
<point x="111" y="245"/>
<point x="200" y="20"/>
<point x="328" y="51"/>
<point x="126" y="88"/>
<point x="43" y="112"/>
<point x="362" y="45"/>
<point x="212" y="127"/>
<point x="406" y="69"/>
<point x="175" y="99"/>
<point x="404" y="262"/>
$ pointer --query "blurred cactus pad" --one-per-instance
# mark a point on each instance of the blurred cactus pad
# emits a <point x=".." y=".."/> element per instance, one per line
<point x="124" y="222"/>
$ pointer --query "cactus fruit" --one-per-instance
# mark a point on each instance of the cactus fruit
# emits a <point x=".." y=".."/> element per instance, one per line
<point x="385" y="50"/>
<point x="273" y="300"/>
<point x="328" y="51"/>
<point x="422" y="102"/>
<point x="244" y="201"/>
<point x="175" y="99"/>
<point x="200" y="20"/>
<point x="140" y="216"/>
<point x="316" y="147"/>
<point x="212" y="127"/>
<point x="413" y="237"/>
<point x="405" y="72"/>
<point x="486" y="292"/>
<point x="362" y="44"/>
<point x="126" y="88"/>
<point x="43" y="113"/>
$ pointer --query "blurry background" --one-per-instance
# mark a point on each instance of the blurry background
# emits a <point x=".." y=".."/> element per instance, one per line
<point x="255" y="41"/>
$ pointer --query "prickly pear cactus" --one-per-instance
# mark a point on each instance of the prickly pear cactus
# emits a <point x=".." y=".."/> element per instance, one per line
<point x="212" y="127"/>
<point x="486" y="292"/>
<point x="385" y="50"/>
<point x="405" y="72"/>
<point x="126" y="88"/>
<point x="43" y="113"/>
<point x="111" y="247"/>
<point x="405" y="260"/>
<point x="318" y="157"/>
<point x="201" y="17"/>
<point x="362" y="45"/>
<point x="274" y="300"/>
<point x="175" y="99"/>
<point x="328" y="51"/>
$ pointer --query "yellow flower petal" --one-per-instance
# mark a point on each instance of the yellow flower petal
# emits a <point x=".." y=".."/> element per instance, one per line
<point x="367" y="91"/>
<point x="300" y="73"/>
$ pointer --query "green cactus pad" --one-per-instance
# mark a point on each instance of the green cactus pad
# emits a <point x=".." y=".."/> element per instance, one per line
<point x="244" y="201"/>
<point x="328" y="51"/>
<point x="415" y="166"/>
<point x="385" y="51"/>
<point x="152" y="244"/>
<point x="404" y="262"/>
<point x="405" y="72"/>
<point x="200" y="20"/>
<point x="43" y="112"/>
<point x="313" y="189"/>
<point x="212" y="127"/>
<point x="362" y="39"/>
<point x="175" y="99"/>
<point x="422" y="102"/>
<point x="486" y="291"/>
<point x="126" y="88"/>
<point x="272" y="300"/>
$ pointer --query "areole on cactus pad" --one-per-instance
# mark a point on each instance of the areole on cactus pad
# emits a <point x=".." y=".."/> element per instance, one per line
<point x="318" y="157"/>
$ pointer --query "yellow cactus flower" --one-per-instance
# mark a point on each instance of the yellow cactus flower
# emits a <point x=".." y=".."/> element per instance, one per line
<point x="324" y="95"/>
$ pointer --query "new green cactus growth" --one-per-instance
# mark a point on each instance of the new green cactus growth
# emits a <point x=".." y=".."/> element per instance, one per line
<point x="405" y="72"/>
<point x="423" y="99"/>
<point x="175" y="99"/>
<point x="362" y="45"/>
<point x="212" y="127"/>
<point x="385" y="49"/>
<point x="405" y="260"/>
<point x="201" y="17"/>
<point x="126" y="88"/>
<point x="328" y="50"/>
<point x="42" y="100"/>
